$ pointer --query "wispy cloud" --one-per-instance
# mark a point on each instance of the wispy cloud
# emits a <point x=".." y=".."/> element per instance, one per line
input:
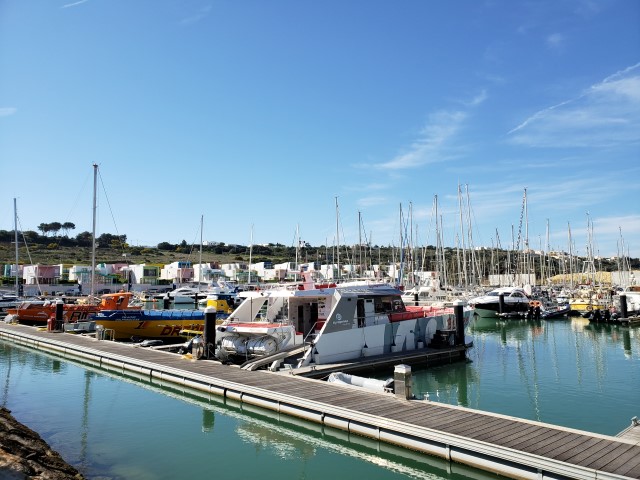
<point x="555" y="41"/>
<point x="605" y="114"/>
<point x="74" y="4"/>
<point x="371" y="201"/>
<point x="430" y="147"/>
<point x="196" y="17"/>
<point x="6" y="111"/>
<point x="478" y="99"/>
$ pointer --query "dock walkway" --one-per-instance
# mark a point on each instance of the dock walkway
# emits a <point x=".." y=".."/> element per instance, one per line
<point x="506" y="445"/>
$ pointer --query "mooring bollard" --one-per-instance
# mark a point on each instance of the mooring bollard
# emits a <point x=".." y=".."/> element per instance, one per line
<point x="623" y="306"/>
<point x="209" y="336"/>
<point x="165" y="302"/>
<point x="402" y="381"/>
<point x="59" y="315"/>
<point x="501" y="307"/>
<point x="458" y="310"/>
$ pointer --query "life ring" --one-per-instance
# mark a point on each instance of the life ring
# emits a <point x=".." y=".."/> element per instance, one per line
<point x="589" y="308"/>
<point x="532" y="303"/>
<point x="537" y="303"/>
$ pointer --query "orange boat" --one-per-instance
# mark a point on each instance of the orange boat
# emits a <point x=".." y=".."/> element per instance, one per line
<point x="37" y="312"/>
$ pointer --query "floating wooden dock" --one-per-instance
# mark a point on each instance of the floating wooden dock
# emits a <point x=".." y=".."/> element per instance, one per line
<point x="509" y="446"/>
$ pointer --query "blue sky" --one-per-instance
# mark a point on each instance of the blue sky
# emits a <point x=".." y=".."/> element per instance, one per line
<point x="260" y="116"/>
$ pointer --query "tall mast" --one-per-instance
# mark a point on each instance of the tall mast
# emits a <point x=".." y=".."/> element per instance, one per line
<point x="338" y="238"/>
<point x="360" y="243"/>
<point x="15" y="230"/>
<point x="93" y="232"/>
<point x="297" y="252"/>
<point x="250" y="254"/>
<point x="464" y="255"/>
<point x="570" y="257"/>
<point x="200" y="259"/>
<point x="527" y="253"/>
<point x="475" y="269"/>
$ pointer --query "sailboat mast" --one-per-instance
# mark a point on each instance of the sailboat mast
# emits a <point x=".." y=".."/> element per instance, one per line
<point x="464" y="255"/>
<point x="15" y="230"/>
<point x="360" y="243"/>
<point x="200" y="259"/>
<point x="297" y="252"/>
<point x="527" y="252"/>
<point x="250" y="255"/>
<point x="570" y="256"/>
<point x="93" y="231"/>
<point x="338" y="239"/>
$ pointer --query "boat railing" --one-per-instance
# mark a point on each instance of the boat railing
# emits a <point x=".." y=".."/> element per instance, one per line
<point x="312" y="334"/>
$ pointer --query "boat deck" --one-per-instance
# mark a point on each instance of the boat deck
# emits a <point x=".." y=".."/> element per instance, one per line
<point x="509" y="446"/>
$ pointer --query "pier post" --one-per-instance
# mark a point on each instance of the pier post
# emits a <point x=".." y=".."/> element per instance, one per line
<point x="415" y="299"/>
<point x="209" y="334"/>
<point x="623" y="307"/>
<point x="165" y="302"/>
<point x="59" y="316"/>
<point x="501" y="303"/>
<point x="458" y="310"/>
<point x="402" y="382"/>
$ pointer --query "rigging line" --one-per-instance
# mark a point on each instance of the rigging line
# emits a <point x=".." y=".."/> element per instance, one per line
<point x="121" y="242"/>
<point x="28" y="254"/>
<point x="79" y="191"/>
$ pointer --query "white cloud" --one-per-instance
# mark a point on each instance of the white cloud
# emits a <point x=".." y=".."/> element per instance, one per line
<point x="555" y="40"/>
<point x="79" y="2"/>
<point x="432" y="145"/>
<point x="605" y="114"/>
<point x="6" y="111"/>
<point x="202" y="13"/>
<point x="371" y="201"/>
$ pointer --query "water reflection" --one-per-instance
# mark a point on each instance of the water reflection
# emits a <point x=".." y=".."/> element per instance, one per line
<point x="208" y="420"/>
<point x="277" y="446"/>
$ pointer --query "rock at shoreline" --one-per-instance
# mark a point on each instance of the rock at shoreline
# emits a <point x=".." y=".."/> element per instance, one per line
<point x="24" y="455"/>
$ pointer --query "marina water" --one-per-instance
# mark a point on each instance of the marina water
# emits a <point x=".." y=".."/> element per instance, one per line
<point x="566" y="372"/>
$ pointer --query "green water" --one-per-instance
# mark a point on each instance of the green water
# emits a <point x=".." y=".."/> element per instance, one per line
<point x="564" y="372"/>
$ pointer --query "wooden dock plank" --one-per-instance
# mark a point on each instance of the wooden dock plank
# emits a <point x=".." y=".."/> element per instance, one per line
<point x="569" y="447"/>
<point x="584" y="454"/>
<point x="542" y="442"/>
<point x="607" y="455"/>
<point x="628" y="459"/>
<point x="631" y="471"/>
<point x="523" y="443"/>
<point x="471" y="425"/>
<point x="503" y="432"/>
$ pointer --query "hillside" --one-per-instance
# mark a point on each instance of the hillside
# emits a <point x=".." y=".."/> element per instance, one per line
<point x="45" y="255"/>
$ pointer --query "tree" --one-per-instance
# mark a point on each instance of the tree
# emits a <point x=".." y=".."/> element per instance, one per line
<point x="84" y="239"/>
<point x="55" y="227"/>
<point x="44" y="228"/>
<point x="109" y="240"/>
<point x="66" y="226"/>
